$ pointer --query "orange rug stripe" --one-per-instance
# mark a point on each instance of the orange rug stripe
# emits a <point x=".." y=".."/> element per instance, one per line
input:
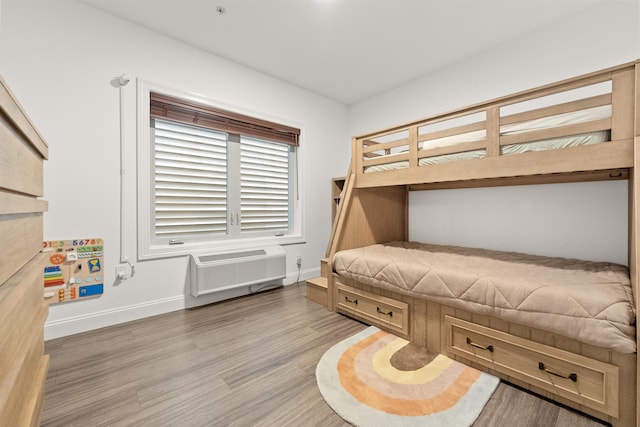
<point x="363" y="393"/>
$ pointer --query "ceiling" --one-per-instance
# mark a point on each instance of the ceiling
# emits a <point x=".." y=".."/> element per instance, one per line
<point x="346" y="50"/>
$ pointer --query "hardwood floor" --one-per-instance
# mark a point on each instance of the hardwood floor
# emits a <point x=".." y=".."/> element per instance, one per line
<point x="244" y="362"/>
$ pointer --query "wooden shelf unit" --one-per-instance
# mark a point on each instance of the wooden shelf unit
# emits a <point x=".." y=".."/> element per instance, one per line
<point x="337" y="188"/>
<point x="317" y="287"/>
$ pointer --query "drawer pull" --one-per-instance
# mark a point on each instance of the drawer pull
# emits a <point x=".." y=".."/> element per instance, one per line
<point x="572" y="377"/>
<point x="390" y="313"/>
<point x="352" y="301"/>
<point x="471" y="343"/>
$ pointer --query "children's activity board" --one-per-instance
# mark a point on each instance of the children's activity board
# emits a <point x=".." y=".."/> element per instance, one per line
<point x="74" y="270"/>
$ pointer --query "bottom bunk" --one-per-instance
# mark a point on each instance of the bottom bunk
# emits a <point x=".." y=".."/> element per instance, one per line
<point x="588" y="363"/>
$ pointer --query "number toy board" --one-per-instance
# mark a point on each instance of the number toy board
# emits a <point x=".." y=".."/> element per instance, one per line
<point x="74" y="270"/>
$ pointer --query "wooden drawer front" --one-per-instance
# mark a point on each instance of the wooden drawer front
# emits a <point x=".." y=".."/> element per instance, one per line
<point x="23" y="367"/>
<point x="379" y="310"/>
<point x="21" y="240"/>
<point x="20" y="164"/>
<point x="23" y="319"/>
<point x="583" y="380"/>
<point x="11" y="204"/>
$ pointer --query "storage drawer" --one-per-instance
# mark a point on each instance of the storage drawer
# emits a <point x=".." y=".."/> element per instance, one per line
<point x="380" y="311"/>
<point x="21" y="241"/>
<point x="586" y="381"/>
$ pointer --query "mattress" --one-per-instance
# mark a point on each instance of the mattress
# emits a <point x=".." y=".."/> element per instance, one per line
<point x="588" y="301"/>
<point x="582" y="116"/>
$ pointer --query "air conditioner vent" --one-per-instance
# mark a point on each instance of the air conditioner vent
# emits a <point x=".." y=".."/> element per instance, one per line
<point x="220" y="271"/>
<point x="235" y="255"/>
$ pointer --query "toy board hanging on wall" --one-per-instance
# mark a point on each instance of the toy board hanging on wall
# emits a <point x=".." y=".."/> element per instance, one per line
<point x="74" y="270"/>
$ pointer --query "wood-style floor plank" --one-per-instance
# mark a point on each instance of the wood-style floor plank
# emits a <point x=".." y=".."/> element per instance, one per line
<point x="244" y="362"/>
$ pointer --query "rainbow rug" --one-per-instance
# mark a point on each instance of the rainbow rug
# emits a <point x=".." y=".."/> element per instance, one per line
<point x="377" y="379"/>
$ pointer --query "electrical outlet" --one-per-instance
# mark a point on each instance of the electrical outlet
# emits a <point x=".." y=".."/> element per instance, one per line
<point x="122" y="272"/>
<point x="299" y="260"/>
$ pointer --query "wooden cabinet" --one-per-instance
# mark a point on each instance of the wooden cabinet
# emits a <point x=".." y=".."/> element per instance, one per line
<point x="23" y="365"/>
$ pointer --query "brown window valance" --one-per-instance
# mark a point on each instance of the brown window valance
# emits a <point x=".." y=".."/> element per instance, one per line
<point x="179" y="110"/>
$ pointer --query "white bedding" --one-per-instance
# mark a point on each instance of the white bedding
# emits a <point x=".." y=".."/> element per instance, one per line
<point x="582" y="116"/>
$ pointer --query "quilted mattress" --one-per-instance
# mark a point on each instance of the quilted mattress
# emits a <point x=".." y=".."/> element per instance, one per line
<point x="588" y="301"/>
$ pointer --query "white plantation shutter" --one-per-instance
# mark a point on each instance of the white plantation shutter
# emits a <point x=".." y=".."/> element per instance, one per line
<point x="190" y="181"/>
<point x="264" y="185"/>
<point x="213" y="179"/>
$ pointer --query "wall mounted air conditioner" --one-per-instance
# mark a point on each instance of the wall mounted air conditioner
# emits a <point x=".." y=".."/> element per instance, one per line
<point x="217" y="272"/>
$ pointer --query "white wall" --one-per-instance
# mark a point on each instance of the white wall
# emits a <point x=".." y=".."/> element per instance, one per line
<point x="592" y="218"/>
<point x="59" y="58"/>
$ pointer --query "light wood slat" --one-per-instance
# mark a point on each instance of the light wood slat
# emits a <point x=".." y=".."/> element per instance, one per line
<point x="413" y="147"/>
<point x="622" y="115"/>
<point x="567" y="107"/>
<point x="356" y="166"/>
<point x="14" y="111"/>
<point x="372" y="155"/>
<point x="383" y="133"/>
<point x="562" y="86"/>
<point x="452" y="149"/>
<point x="420" y="321"/>
<point x="17" y="204"/>
<point x="556" y="132"/>
<point x="386" y="159"/>
<point x="493" y="131"/>
<point x="603" y="175"/>
<point x="458" y="130"/>
<point x="20" y="166"/>
<point x="432" y="326"/>
<point x="386" y="145"/>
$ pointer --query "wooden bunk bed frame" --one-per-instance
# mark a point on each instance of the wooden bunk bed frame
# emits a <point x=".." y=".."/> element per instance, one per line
<point x="374" y="209"/>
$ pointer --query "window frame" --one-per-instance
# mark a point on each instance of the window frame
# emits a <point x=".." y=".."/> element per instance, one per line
<point x="147" y="248"/>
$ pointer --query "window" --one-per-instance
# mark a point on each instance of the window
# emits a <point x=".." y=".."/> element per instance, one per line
<point x="213" y="179"/>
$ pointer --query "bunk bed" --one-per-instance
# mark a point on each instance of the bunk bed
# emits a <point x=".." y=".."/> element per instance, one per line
<point x="559" y="327"/>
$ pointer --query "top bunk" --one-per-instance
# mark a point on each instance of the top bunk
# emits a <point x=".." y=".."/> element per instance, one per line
<point x="576" y="129"/>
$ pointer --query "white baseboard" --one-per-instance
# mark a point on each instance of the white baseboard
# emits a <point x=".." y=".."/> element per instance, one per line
<point x="75" y="325"/>
<point x="88" y="322"/>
